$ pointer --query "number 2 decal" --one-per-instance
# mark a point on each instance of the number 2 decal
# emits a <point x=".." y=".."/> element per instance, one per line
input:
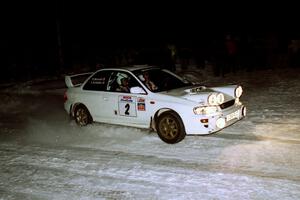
<point x="127" y="106"/>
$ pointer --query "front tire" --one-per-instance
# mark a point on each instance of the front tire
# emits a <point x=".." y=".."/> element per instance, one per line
<point x="82" y="115"/>
<point x="170" y="128"/>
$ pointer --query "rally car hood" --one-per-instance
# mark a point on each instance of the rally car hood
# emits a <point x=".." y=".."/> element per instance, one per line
<point x="198" y="94"/>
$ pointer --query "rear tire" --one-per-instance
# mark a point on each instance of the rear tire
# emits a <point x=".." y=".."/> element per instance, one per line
<point x="82" y="115"/>
<point x="170" y="128"/>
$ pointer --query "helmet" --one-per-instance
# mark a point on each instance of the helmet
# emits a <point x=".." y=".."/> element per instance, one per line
<point x="120" y="77"/>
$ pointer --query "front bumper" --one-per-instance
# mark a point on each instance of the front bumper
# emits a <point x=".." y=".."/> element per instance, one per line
<point x="203" y="125"/>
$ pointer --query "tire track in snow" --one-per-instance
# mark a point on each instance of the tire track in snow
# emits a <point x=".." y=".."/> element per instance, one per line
<point x="74" y="172"/>
<point x="74" y="159"/>
<point x="248" y="137"/>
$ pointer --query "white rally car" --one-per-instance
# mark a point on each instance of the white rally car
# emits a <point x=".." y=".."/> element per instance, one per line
<point x="170" y="105"/>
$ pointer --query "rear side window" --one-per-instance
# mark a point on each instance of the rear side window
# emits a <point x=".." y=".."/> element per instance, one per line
<point x="98" y="81"/>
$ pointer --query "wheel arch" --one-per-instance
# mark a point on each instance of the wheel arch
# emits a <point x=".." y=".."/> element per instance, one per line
<point x="75" y="105"/>
<point x="153" y="122"/>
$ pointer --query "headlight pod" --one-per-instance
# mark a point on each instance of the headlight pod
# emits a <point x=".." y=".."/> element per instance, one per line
<point x="220" y="98"/>
<point x="216" y="99"/>
<point x="205" y="110"/>
<point x="238" y="91"/>
<point x="212" y="99"/>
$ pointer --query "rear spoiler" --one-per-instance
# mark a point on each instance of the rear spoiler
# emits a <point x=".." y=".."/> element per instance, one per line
<point x="70" y="79"/>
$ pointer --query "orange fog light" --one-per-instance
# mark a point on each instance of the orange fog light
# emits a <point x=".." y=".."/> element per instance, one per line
<point x="204" y="120"/>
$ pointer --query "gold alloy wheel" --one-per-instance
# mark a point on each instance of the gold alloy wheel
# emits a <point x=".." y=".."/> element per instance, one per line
<point x="82" y="116"/>
<point x="169" y="128"/>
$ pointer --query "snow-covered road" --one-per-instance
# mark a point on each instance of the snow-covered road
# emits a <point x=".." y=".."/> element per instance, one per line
<point x="44" y="155"/>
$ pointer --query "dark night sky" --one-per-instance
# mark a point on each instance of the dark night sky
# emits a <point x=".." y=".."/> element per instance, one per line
<point x="122" y="24"/>
<point x="94" y="22"/>
<point x="29" y="29"/>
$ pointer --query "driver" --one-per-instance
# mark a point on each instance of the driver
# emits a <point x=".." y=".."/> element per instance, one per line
<point x="123" y="82"/>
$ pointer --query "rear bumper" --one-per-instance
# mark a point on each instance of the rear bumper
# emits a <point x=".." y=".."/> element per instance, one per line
<point x="68" y="107"/>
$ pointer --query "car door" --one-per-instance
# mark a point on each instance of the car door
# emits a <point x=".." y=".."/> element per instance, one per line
<point x="95" y="96"/>
<point x="128" y="108"/>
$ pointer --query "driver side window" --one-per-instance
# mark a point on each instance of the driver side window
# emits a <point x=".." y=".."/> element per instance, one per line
<point x="120" y="81"/>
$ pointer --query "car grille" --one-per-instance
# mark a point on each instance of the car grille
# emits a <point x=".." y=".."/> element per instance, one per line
<point x="227" y="104"/>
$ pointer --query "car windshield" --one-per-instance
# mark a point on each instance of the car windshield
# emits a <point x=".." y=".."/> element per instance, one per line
<point x="158" y="80"/>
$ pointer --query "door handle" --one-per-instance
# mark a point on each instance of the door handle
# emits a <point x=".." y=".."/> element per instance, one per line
<point x="105" y="98"/>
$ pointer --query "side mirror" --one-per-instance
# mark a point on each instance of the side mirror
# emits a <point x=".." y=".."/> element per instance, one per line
<point x="137" y="90"/>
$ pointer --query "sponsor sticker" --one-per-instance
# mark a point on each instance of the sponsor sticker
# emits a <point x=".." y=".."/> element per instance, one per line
<point x="141" y="106"/>
<point x="142" y="100"/>
<point x="126" y="98"/>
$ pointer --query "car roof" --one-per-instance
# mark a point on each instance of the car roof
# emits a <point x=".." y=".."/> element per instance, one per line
<point x="131" y="68"/>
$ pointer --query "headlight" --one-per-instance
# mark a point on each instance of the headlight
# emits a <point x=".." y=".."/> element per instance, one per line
<point x="205" y="110"/>
<point x="215" y="99"/>
<point x="212" y="99"/>
<point x="238" y="91"/>
<point x="220" y="98"/>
